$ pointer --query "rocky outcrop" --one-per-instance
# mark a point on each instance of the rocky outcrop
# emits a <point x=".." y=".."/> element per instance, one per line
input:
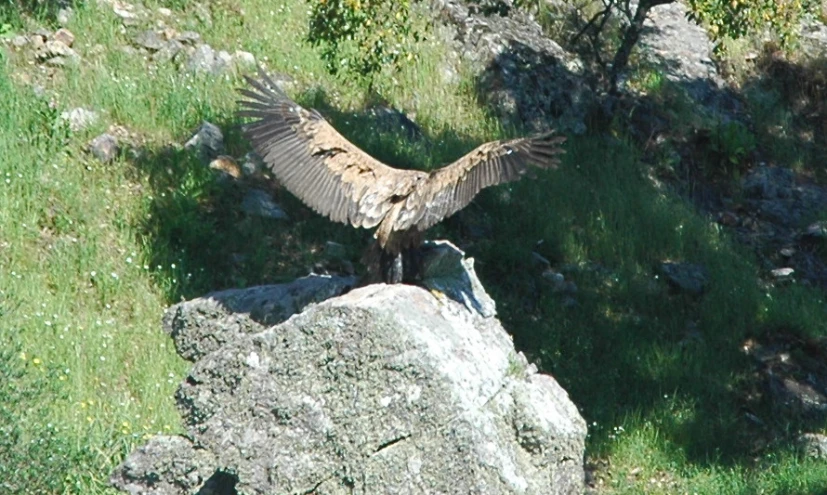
<point x="526" y="78"/>
<point x="386" y="389"/>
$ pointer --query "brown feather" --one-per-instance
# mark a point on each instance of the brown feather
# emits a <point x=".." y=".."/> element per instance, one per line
<point x="337" y="179"/>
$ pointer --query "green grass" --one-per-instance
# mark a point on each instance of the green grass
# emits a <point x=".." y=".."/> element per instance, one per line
<point x="91" y="254"/>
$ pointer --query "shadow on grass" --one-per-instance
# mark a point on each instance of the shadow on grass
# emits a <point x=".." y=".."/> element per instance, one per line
<point x="202" y="241"/>
<point x="629" y="350"/>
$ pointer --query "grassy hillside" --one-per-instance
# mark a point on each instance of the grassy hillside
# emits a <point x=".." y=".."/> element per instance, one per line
<point x="91" y="254"/>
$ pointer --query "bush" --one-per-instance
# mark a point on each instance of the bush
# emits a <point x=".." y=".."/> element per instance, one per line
<point x="362" y="36"/>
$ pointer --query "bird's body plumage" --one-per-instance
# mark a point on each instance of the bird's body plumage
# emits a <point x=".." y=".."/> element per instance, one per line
<point x="338" y="180"/>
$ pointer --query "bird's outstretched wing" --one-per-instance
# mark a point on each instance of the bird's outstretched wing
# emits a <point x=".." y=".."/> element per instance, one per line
<point x="316" y="163"/>
<point x="339" y="180"/>
<point x="449" y="189"/>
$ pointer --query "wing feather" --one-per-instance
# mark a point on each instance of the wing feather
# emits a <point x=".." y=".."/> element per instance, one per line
<point x="337" y="179"/>
<point x="316" y="163"/>
<point x="449" y="189"/>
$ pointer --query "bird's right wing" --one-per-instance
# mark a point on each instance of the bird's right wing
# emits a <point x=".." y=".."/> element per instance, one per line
<point x="316" y="163"/>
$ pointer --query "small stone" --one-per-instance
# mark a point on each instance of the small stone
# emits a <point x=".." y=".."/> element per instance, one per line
<point x="208" y="141"/>
<point x="64" y="15"/>
<point x="202" y="60"/>
<point x="189" y="37"/>
<point x="56" y="62"/>
<point x="782" y="273"/>
<point x="37" y="41"/>
<point x="149" y="39"/>
<point x="168" y="52"/>
<point x="19" y="41"/>
<point x="555" y="278"/>
<point x="164" y="11"/>
<point x="104" y="147"/>
<point x="64" y="36"/>
<point x="787" y="252"/>
<point x="244" y="59"/>
<point x="260" y="203"/>
<point x="223" y="60"/>
<point x="55" y="48"/>
<point x="817" y="230"/>
<point x="813" y="445"/>
<point x="79" y="118"/>
<point x="687" y="277"/>
<point x="124" y="11"/>
<point x="252" y="164"/>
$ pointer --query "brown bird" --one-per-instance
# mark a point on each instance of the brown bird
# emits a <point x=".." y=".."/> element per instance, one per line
<point x="340" y="181"/>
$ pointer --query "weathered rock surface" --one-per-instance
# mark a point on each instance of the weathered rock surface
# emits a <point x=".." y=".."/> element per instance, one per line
<point x="528" y="79"/>
<point x="259" y="203"/>
<point x="202" y="325"/>
<point x="386" y="389"/>
<point x="208" y="142"/>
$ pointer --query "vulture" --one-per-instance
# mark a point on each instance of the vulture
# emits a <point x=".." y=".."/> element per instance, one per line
<point x="335" y="178"/>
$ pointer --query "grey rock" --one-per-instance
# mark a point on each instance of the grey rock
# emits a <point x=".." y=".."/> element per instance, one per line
<point x="164" y="11"/>
<point x="386" y="389"/>
<point x="64" y="15"/>
<point x="817" y="230"/>
<point x="813" y="445"/>
<point x="208" y="142"/>
<point x="104" y="147"/>
<point x="528" y="79"/>
<point x="223" y="61"/>
<point x="37" y="41"/>
<point x="189" y="37"/>
<point x="683" y="52"/>
<point x="56" y="48"/>
<point x="19" y="41"/>
<point x="168" y="52"/>
<point x="202" y="325"/>
<point x="245" y="60"/>
<point x="252" y="164"/>
<point x="768" y="182"/>
<point x="175" y="464"/>
<point x="150" y="39"/>
<point x="124" y="11"/>
<point x="782" y="273"/>
<point x="797" y="396"/>
<point x="446" y="270"/>
<point x="259" y="203"/>
<point x="392" y="120"/>
<point x="64" y="36"/>
<point x="205" y="60"/>
<point x="686" y="277"/>
<point x="79" y="118"/>
<point x="202" y="60"/>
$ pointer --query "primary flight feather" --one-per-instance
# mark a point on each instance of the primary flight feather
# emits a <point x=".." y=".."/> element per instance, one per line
<point x="337" y="179"/>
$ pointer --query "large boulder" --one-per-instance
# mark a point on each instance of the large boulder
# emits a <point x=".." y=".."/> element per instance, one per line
<point x="385" y="389"/>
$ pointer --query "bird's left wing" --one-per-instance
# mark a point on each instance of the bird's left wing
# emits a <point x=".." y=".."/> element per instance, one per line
<point x="449" y="189"/>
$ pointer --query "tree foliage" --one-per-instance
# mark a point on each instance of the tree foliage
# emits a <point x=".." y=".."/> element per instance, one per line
<point x="362" y="36"/>
<point x="737" y="18"/>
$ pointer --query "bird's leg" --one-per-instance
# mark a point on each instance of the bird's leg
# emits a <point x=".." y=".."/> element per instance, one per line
<point x="412" y="260"/>
<point x="391" y="267"/>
